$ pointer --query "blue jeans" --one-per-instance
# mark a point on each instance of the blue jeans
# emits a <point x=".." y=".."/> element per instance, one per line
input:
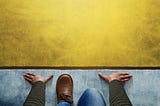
<point x="90" y="97"/>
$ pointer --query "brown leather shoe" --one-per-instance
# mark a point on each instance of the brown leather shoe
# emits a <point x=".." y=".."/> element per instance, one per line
<point x="64" y="89"/>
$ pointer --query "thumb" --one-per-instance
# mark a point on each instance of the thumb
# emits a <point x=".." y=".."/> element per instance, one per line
<point x="103" y="76"/>
<point x="48" y="78"/>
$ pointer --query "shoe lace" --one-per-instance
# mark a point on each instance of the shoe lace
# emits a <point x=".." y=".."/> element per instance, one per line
<point x="66" y="98"/>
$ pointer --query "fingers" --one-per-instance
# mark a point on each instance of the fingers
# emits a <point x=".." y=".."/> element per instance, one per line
<point x="30" y="74"/>
<point x="124" y="76"/>
<point x="124" y="80"/>
<point x="102" y="76"/>
<point x="124" y="73"/>
<point x="27" y="75"/>
<point x="28" y="79"/>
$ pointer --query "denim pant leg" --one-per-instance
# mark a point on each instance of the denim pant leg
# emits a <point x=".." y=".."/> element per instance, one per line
<point x="91" y="97"/>
<point x="63" y="104"/>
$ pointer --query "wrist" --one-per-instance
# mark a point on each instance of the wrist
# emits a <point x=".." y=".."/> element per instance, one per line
<point x="39" y="81"/>
<point x="110" y="79"/>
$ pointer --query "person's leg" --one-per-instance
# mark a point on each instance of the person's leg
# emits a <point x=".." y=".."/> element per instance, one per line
<point x="91" y="97"/>
<point x="64" y="90"/>
<point x="36" y="96"/>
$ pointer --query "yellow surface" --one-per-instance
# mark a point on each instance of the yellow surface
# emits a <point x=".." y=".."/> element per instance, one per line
<point x="79" y="32"/>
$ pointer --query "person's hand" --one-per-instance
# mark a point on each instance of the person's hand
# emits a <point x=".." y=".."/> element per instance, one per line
<point x="32" y="78"/>
<point x="120" y="76"/>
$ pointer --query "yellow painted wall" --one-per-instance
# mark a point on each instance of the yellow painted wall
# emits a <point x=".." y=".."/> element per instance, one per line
<point x="80" y="33"/>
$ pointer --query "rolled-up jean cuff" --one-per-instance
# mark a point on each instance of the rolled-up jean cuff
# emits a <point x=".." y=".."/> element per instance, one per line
<point x="64" y="104"/>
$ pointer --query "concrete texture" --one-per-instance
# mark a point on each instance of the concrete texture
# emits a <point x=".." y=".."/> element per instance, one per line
<point x="142" y="89"/>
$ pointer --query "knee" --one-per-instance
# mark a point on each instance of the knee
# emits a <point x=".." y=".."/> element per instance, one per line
<point x="91" y="91"/>
<point x="91" y="97"/>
